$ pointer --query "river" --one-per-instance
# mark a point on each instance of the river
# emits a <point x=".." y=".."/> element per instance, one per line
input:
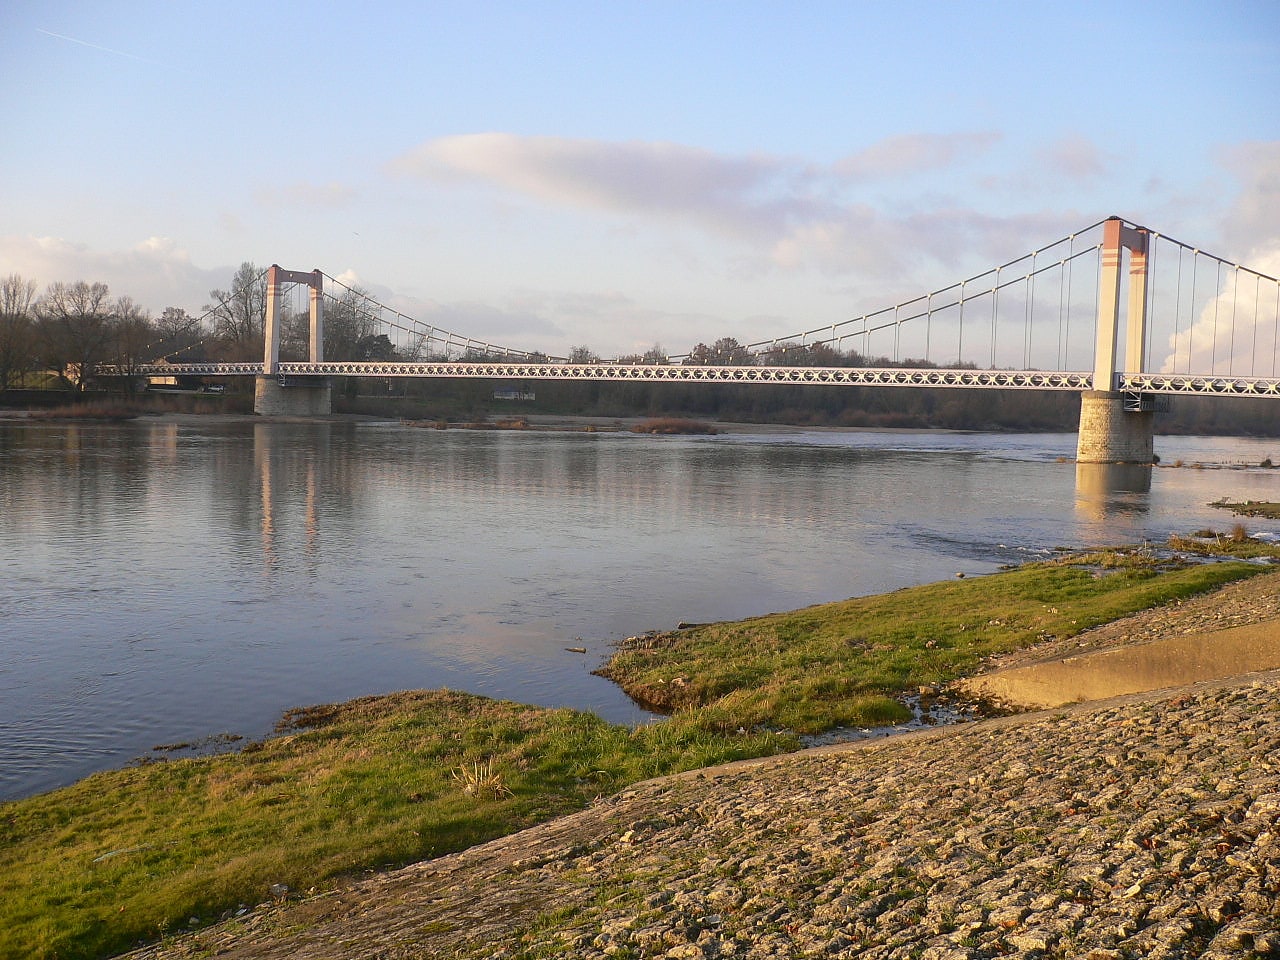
<point x="170" y="581"/>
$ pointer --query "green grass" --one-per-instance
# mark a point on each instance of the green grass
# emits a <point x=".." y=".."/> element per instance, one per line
<point x="842" y="663"/>
<point x="125" y="856"/>
<point x="1250" y="508"/>
<point x="1235" y="542"/>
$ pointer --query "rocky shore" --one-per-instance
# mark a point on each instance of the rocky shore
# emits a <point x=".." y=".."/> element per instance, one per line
<point x="1144" y="827"/>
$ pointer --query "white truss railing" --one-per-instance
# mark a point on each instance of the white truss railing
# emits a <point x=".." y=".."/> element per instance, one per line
<point x="1160" y="383"/>
<point x="1185" y="383"/>
<point x="848" y="376"/>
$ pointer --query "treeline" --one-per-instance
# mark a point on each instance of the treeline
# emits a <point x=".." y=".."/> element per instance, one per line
<point x="796" y="404"/>
<point x="60" y="336"/>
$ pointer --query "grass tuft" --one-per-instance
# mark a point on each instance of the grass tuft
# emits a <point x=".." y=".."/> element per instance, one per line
<point x="481" y="780"/>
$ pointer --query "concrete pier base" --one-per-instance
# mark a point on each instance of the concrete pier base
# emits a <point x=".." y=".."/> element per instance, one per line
<point x="302" y="397"/>
<point x="1111" y="434"/>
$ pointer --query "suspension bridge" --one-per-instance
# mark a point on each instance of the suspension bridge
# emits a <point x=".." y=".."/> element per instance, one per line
<point x="1192" y="323"/>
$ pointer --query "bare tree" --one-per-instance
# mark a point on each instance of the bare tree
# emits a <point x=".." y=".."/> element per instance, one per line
<point x="75" y="325"/>
<point x="132" y="334"/>
<point x="17" y="328"/>
<point x="655" y="354"/>
<point x="792" y="354"/>
<point x="725" y="352"/>
<point x="295" y="332"/>
<point x="239" y="314"/>
<point x="177" y="331"/>
<point x="583" y="354"/>
<point x="349" y="323"/>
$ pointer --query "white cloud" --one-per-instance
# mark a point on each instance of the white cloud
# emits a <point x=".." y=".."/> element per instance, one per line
<point x="657" y="179"/>
<point x="305" y="195"/>
<point x="1236" y="328"/>
<point x="1073" y="158"/>
<point x="156" y="272"/>
<point x="783" y="213"/>
<point x="1235" y="332"/>
<point x="1253" y="221"/>
<point x="914" y="153"/>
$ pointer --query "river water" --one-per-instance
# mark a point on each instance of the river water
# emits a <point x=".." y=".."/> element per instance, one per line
<point x="167" y="582"/>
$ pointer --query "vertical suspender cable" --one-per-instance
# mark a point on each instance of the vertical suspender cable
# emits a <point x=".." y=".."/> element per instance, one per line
<point x="960" y="329"/>
<point x="1071" y="262"/>
<point x="928" y="323"/>
<point x="995" y="302"/>
<point x="1235" y="307"/>
<point x="1062" y="276"/>
<point x="1027" y="310"/>
<point x="1217" y="302"/>
<point x="1257" y="302"/>
<point x="1275" y="332"/>
<point x="1191" y="317"/>
<point x="1097" y="285"/>
<point x="1177" y="305"/>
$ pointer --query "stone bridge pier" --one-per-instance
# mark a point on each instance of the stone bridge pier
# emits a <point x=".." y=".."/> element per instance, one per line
<point x="275" y="395"/>
<point x="1117" y="427"/>
<point x="292" y="397"/>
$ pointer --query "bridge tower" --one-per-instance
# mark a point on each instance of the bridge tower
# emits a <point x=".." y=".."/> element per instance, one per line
<point x="277" y="395"/>
<point x="1116" y="427"/>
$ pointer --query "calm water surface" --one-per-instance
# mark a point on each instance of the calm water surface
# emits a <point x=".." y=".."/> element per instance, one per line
<point x="167" y="582"/>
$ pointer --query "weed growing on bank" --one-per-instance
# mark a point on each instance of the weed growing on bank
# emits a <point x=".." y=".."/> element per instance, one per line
<point x="1235" y="542"/>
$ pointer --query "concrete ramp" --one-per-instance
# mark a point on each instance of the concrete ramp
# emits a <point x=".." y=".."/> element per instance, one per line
<point x="1133" y="669"/>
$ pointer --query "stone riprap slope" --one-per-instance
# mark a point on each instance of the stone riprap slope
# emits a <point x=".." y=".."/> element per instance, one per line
<point x="1145" y="828"/>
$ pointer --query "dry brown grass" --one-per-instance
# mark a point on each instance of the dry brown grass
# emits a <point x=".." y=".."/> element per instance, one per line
<point x="674" y="425"/>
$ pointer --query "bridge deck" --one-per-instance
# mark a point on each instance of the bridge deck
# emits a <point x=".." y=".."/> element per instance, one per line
<point x="847" y="376"/>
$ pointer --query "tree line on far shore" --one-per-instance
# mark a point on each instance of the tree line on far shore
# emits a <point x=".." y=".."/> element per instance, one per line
<point x="59" y="336"/>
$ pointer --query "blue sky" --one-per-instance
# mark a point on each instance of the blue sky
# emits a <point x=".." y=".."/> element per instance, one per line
<point x="618" y="174"/>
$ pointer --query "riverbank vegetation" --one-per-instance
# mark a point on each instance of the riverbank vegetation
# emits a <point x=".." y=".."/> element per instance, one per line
<point x="1251" y="508"/>
<point x="126" y="856"/>
<point x="792" y="404"/>
<point x="674" y="425"/>
<point x="845" y="664"/>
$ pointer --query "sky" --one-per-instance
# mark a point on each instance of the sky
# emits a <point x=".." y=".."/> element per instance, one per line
<point x="623" y="174"/>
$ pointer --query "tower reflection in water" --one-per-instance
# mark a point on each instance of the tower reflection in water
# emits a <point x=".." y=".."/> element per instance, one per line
<point x="1106" y="490"/>
<point x="263" y="462"/>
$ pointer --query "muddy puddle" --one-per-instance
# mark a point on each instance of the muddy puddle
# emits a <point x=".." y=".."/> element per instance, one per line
<point x="1134" y="669"/>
